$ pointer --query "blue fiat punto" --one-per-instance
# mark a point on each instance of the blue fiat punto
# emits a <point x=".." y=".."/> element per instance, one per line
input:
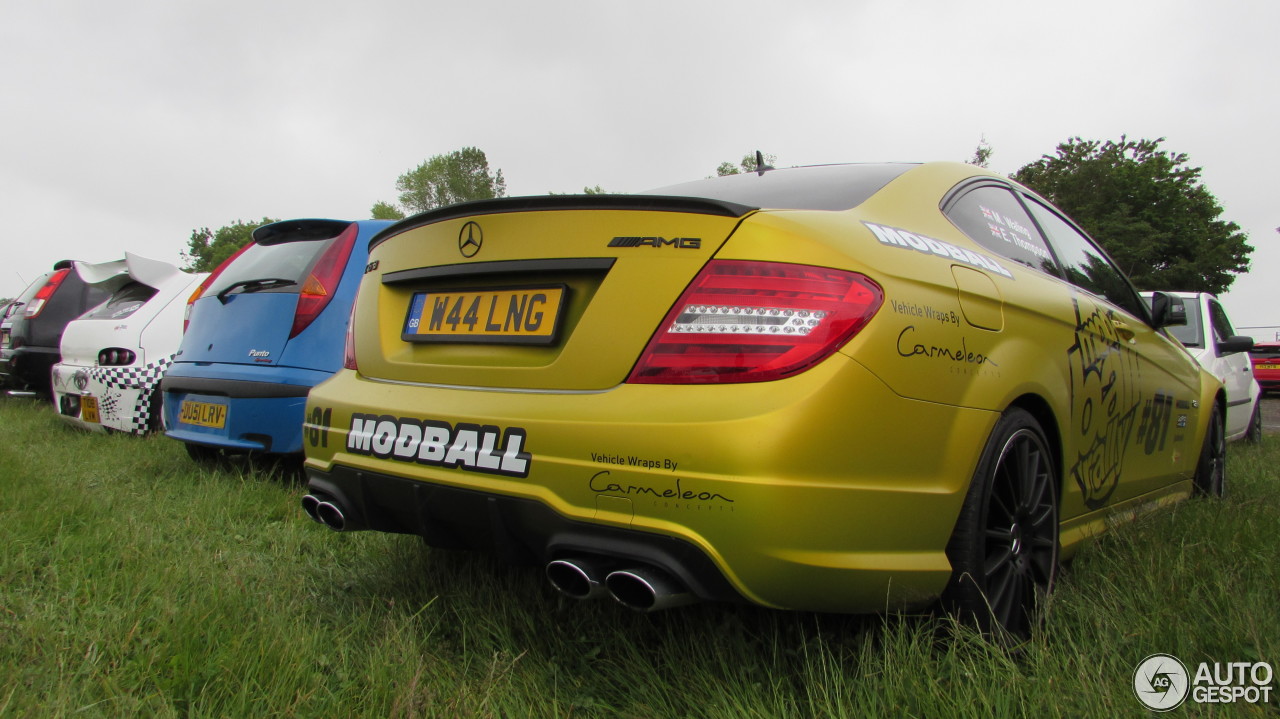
<point x="261" y="331"/>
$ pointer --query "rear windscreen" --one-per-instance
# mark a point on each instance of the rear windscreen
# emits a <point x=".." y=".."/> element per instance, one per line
<point x="122" y="303"/>
<point x="284" y="261"/>
<point x="820" y="187"/>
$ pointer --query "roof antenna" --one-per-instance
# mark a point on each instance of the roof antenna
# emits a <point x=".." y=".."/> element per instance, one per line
<point x="761" y="168"/>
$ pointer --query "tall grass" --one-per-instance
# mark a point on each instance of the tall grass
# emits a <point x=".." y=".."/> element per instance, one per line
<point x="136" y="583"/>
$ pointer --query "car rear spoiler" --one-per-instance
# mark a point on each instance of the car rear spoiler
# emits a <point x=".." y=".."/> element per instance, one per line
<point x="555" y="203"/>
<point x="115" y="274"/>
<point x="294" y="230"/>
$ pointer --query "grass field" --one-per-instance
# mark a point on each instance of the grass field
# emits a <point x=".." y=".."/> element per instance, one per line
<point x="135" y="583"/>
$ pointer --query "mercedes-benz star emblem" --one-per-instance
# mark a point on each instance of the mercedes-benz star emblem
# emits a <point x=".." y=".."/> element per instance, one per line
<point x="470" y="239"/>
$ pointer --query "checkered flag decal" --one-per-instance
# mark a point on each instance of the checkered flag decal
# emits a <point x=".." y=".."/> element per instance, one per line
<point x="145" y="378"/>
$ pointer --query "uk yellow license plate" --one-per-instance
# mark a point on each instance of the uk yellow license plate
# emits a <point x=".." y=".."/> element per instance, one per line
<point x="89" y="410"/>
<point x="526" y="315"/>
<point x="203" y="414"/>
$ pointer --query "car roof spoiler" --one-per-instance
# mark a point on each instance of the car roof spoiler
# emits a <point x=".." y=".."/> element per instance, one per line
<point x="115" y="274"/>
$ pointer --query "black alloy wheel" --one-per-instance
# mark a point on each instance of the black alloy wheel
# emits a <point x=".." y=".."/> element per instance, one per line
<point x="1004" y="550"/>
<point x="1253" y="434"/>
<point x="1211" y="471"/>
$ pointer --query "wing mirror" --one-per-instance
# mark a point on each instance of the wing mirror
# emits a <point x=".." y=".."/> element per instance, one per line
<point x="1167" y="310"/>
<point x="1235" y="344"/>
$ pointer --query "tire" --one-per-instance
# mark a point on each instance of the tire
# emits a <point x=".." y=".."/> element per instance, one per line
<point x="155" y="413"/>
<point x="1004" y="549"/>
<point x="1211" y="469"/>
<point x="1253" y="434"/>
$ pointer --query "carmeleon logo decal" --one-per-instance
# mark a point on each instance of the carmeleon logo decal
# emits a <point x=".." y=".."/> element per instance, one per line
<point x="600" y="483"/>
<point x="473" y="447"/>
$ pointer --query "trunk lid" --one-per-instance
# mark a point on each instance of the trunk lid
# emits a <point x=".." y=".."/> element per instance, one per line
<point x="249" y="328"/>
<point x="548" y="293"/>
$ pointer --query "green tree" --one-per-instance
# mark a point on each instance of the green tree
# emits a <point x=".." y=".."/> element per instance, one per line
<point x="1147" y="208"/>
<point x="446" y="179"/>
<point x="597" y="190"/>
<point x="982" y="155"/>
<point x="385" y="211"/>
<point x="748" y="163"/>
<point x="207" y="248"/>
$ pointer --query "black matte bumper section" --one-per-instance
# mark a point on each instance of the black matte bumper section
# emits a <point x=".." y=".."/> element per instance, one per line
<point x="233" y="388"/>
<point x="521" y="531"/>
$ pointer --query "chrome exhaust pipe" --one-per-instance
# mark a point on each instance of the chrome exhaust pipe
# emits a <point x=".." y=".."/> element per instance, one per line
<point x="309" y="505"/>
<point x="647" y="590"/>
<point x="328" y="511"/>
<point x="331" y="516"/>
<point x="577" y="578"/>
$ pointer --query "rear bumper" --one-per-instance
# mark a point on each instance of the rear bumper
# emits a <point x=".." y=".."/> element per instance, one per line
<point x="264" y="406"/>
<point x="824" y="492"/>
<point x="29" y="368"/>
<point x="125" y="396"/>
<point x="520" y="531"/>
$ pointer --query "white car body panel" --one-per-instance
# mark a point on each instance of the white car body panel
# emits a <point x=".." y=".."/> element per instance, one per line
<point x="1201" y="337"/>
<point x="123" y="393"/>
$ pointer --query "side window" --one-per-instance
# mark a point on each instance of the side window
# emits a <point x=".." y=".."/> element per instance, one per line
<point x="1084" y="264"/>
<point x="991" y="216"/>
<point x="1190" y="334"/>
<point x="1221" y="325"/>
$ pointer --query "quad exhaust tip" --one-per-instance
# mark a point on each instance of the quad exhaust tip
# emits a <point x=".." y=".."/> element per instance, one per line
<point x="638" y="588"/>
<point x="577" y="578"/>
<point x="326" y="511"/>
<point x="647" y="590"/>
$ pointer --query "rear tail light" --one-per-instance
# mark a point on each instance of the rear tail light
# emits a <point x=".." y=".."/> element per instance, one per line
<point x="38" y="302"/>
<point x="116" y="357"/>
<point x="349" y="346"/>
<point x="755" y="322"/>
<point x="186" y="315"/>
<point x="320" y="285"/>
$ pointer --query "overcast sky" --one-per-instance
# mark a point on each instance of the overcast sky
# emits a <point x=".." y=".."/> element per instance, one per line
<point x="128" y="124"/>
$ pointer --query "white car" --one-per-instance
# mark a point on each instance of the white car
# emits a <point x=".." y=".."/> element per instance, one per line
<point x="114" y="355"/>
<point x="1210" y="338"/>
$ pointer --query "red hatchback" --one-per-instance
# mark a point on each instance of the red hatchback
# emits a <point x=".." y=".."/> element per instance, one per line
<point x="1266" y="365"/>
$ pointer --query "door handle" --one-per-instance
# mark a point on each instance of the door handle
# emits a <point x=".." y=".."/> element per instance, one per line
<point x="1124" y="330"/>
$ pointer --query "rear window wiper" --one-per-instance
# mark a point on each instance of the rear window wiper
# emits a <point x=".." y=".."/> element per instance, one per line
<point x="254" y="286"/>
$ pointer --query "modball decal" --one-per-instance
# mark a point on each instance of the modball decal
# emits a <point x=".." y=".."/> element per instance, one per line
<point x="472" y="447"/>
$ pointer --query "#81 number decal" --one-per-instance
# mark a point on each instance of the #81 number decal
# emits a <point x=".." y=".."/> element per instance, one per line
<point x="318" y="420"/>
<point x="1157" y="415"/>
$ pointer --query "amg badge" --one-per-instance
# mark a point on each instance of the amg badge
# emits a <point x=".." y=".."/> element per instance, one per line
<point x="680" y="243"/>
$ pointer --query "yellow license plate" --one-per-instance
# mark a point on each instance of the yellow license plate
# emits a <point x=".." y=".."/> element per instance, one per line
<point x="526" y="315"/>
<point x="203" y="414"/>
<point x="1269" y="366"/>
<point x="89" y="410"/>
